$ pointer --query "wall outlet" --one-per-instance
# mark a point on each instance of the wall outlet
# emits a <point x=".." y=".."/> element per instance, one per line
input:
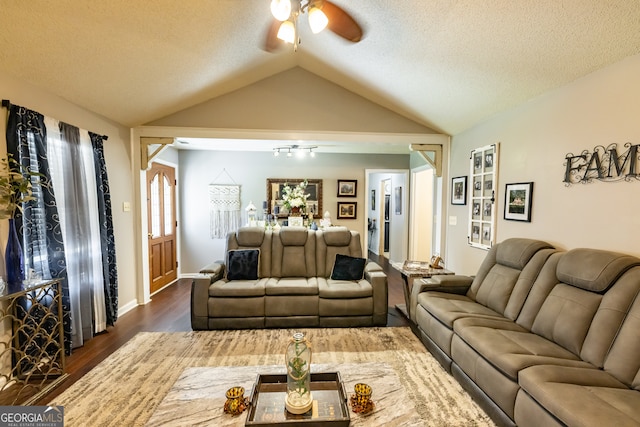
<point x="453" y="220"/>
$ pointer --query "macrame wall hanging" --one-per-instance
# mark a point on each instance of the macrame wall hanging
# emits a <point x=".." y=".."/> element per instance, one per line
<point x="224" y="202"/>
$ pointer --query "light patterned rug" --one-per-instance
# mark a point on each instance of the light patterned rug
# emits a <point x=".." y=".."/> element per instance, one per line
<point x="126" y="388"/>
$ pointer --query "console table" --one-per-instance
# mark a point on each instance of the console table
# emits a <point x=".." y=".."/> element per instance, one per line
<point x="32" y="356"/>
<point x="409" y="274"/>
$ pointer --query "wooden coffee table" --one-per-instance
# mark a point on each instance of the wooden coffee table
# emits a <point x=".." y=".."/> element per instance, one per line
<point x="198" y="396"/>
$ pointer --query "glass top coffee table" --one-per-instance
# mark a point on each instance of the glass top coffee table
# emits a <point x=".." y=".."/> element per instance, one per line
<point x="198" y="396"/>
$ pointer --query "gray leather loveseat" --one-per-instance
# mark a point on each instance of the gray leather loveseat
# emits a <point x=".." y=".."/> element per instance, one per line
<point x="541" y="337"/>
<point x="292" y="277"/>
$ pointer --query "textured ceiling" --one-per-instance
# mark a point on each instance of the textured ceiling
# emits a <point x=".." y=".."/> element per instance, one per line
<point x="447" y="64"/>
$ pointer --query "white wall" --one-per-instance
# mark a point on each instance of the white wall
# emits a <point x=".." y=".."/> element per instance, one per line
<point x="118" y="159"/>
<point x="198" y="169"/>
<point x="599" y="109"/>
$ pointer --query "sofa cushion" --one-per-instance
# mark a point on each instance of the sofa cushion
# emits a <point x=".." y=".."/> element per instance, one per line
<point x="291" y="286"/>
<point x="238" y="288"/>
<point x="511" y="348"/>
<point x="592" y="269"/>
<point x="566" y="315"/>
<point x="581" y="396"/>
<point x="337" y="236"/>
<point x="348" y="268"/>
<point x="243" y="264"/>
<point x="448" y="307"/>
<point x="347" y="289"/>
<point x="293" y="236"/>
<point x="250" y="236"/>
<point x="517" y="252"/>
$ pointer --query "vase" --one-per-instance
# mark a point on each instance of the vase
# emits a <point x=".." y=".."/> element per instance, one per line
<point x="295" y="211"/>
<point x="298" y="399"/>
<point x="14" y="260"/>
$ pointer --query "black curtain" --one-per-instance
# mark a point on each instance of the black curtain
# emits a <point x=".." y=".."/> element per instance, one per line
<point x="107" y="242"/>
<point x="39" y="223"/>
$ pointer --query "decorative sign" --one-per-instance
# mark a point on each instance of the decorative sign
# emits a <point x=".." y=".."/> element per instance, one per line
<point x="603" y="164"/>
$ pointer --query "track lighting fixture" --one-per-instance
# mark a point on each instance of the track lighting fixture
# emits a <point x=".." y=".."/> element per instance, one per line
<point x="298" y="150"/>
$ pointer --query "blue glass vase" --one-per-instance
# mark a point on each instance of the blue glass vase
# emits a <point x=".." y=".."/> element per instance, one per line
<point x="14" y="260"/>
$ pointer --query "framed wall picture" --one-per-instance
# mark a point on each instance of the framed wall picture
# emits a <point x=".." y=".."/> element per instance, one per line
<point x="373" y="200"/>
<point x="397" y="200"/>
<point x="347" y="187"/>
<point x="347" y="210"/>
<point x="482" y="188"/>
<point x="518" y="201"/>
<point x="459" y="190"/>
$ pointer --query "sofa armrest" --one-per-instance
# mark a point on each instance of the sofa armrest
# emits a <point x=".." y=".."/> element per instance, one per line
<point x="215" y="270"/>
<point x="455" y="284"/>
<point x="372" y="266"/>
<point x="199" y="302"/>
<point x="374" y="274"/>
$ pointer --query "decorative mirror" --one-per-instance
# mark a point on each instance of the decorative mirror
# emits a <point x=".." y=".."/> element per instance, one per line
<point x="274" y="196"/>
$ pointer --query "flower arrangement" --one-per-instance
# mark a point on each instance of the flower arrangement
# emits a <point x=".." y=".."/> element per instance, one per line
<point x="295" y="197"/>
<point x="15" y="186"/>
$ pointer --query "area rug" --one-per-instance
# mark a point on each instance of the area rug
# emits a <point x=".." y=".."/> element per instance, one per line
<point x="125" y="388"/>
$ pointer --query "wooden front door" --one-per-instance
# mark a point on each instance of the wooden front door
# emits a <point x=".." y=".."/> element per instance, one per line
<point x="161" y="208"/>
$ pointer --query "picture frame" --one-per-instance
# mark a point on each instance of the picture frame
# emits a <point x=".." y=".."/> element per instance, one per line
<point x="397" y="200"/>
<point x="373" y="200"/>
<point x="459" y="190"/>
<point x="347" y="210"/>
<point x="518" y="201"/>
<point x="482" y="195"/>
<point x="274" y="201"/>
<point x="347" y="188"/>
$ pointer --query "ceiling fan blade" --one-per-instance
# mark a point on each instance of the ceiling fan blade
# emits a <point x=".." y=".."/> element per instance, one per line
<point x="272" y="42"/>
<point x="341" y="23"/>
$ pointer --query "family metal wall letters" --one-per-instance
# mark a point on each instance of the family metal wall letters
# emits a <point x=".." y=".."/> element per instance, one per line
<point x="603" y="164"/>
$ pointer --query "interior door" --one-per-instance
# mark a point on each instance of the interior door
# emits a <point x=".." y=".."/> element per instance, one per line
<point x="161" y="208"/>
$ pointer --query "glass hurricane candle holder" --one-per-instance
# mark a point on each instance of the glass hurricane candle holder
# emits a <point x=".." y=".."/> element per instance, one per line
<point x="298" y="359"/>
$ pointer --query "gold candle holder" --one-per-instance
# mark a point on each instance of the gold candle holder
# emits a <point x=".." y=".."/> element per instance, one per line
<point x="236" y="402"/>
<point x="361" y="402"/>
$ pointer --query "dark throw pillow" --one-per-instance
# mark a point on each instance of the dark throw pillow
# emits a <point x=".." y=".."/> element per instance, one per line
<point x="348" y="268"/>
<point x="242" y="264"/>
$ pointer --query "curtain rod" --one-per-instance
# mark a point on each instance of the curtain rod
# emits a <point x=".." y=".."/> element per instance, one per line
<point x="7" y="104"/>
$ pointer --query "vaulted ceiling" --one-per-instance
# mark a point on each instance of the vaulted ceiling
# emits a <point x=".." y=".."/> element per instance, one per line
<point x="446" y="64"/>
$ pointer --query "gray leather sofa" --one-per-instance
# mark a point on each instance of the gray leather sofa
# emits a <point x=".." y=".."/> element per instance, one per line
<point x="541" y="337"/>
<point x="293" y="287"/>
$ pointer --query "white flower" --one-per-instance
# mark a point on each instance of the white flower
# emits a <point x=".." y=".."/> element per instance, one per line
<point x="295" y="197"/>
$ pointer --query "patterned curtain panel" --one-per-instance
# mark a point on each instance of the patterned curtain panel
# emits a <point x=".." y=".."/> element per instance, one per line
<point x="225" y="209"/>
<point x="67" y="231"/>
<point x="38" y="222"/>
<point x="106" y="230"/>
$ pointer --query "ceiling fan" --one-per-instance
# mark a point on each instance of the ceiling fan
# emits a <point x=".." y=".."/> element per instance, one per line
<point x="322" y="14"/>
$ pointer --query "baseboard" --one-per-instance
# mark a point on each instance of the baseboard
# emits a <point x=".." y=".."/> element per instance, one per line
<point x="127" y="307"/>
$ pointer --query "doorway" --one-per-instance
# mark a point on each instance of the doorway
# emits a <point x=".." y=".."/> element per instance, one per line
<point x="161" y="212"/>
<point x="422" y="214"/>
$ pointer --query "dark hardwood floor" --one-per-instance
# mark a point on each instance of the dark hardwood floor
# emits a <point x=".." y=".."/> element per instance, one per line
<point x="169" y="312"/>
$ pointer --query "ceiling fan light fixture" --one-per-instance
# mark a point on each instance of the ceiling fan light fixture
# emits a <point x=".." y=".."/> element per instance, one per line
<point x="281" y="9"/>
<point x="287" y="32"/>
<point x="317" y="20"/>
